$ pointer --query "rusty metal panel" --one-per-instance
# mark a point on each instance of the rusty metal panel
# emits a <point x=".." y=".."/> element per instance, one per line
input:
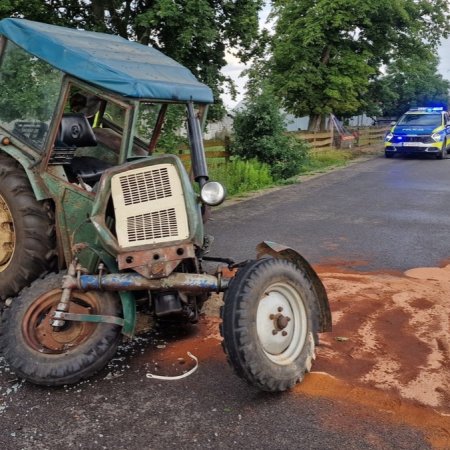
<point x="157" y="262"/>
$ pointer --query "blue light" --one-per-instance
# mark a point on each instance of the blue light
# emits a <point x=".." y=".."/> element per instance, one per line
<point x="428" y="109"/>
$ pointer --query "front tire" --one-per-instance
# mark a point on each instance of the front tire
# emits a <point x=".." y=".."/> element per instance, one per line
<point x="267" y="324"/>
<point x="43" y="356"/>
<point x="27" y="231"/>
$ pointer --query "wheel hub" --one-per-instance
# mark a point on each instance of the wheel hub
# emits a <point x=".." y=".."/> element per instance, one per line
<point x="37" y="324"/>
<point x="274" y="323"/>
<point x="280" y="322"/>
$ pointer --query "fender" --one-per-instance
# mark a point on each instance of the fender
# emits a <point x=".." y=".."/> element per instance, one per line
<point x="282" y="252"/>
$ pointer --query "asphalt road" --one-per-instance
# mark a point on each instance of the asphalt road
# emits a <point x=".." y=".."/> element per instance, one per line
<point x="380" y="214"/>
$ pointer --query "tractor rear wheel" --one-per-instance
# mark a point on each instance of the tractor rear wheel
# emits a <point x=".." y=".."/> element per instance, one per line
<point x="42" y="355"/>
<point x="27" y="231"/>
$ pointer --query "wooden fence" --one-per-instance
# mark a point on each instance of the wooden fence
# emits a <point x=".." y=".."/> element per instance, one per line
<point x="326" y="140"/>
<point x="370" y="135"/>
<point x="211" y="150"/>
<point x="319" y="141"/>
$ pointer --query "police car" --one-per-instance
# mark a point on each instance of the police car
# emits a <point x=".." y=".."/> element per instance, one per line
<point x="419" y="131"/>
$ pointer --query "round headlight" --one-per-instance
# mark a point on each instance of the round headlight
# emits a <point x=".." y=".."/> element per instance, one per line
<point x="212" y="193"/>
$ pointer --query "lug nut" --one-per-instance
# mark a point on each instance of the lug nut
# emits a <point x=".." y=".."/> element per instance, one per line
<point x="274" y="332"/>
<point x="272" y="316"/>
<point x="288" y="318"/>
<point x="284" y="333"/>
<point x="280" y="309"/>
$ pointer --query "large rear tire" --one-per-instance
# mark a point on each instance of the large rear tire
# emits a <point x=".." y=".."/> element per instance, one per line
<point x="27" y="231"/>
<point x="38" y="353"/>
<point x="267" y="324"/>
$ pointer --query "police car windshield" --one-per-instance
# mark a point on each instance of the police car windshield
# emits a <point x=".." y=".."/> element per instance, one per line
<point x="434" y="120"/>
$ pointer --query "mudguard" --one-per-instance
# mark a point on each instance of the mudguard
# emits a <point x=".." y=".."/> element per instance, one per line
<point x="282" y="252"/>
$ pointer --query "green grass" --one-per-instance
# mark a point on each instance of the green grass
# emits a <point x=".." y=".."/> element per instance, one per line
<point x="240" y="176"/>
<point x="321" y="160"/>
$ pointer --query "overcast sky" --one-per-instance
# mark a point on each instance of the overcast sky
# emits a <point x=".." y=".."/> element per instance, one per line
<point x="444" y="55"/>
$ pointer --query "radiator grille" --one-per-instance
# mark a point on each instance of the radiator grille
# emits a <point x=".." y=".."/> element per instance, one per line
<point x="145" y="186"/>
<point x="154" y="225"/>
<point x="149" y="206"/>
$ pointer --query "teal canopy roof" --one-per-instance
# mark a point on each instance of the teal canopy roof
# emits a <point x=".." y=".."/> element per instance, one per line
<point x="108" y="61"/>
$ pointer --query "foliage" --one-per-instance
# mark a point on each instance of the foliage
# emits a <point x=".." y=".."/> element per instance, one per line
<point x="30" y="87"/>
<point x="259" y="133"/>
<point x="410" y="81"/>
<point x="193" y="32"/>
<point x="326" y="51"/>
<point x="239" y="176"/>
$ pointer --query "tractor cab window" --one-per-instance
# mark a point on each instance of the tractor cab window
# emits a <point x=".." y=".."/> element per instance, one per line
<point x="160" y="127"/>
<point x="89" y="138"/>
<point x="30" y="91"/>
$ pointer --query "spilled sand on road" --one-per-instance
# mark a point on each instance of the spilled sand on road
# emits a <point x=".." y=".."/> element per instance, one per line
<point x="388" y="351"/>
<point x="391" y="332"/>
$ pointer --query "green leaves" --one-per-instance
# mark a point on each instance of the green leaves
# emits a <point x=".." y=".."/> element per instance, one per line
<point x="326" y="52"/>
<point x="410" y="81"/>
<point x="193" y="32"/>
<point x="259" y="133"/>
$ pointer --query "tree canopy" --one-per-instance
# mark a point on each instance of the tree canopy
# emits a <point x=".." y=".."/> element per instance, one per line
<point x="408" y="82"/>
<point x="193" y="32"/>
<point x="326" y="52"/>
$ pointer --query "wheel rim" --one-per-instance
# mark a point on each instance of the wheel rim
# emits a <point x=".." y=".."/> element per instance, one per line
<point x="281" y="323"/>
<point x="39" y="333"/>
<point x="7" y="235"/>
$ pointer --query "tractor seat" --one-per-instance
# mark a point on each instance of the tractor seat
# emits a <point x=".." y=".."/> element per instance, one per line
<point x="74" y="131"/>
<point x="89" y="169"/>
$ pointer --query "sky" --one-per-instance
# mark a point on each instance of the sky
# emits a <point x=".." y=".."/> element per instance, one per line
<point x="234" y="67"/>
<point x="444" y="56"/>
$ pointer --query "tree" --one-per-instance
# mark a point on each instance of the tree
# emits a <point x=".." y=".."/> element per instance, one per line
<point x="325" y="52"/>
<point x="259" y="133"/>
<point x="193" y="32"/>
<point x="408" y="82"/>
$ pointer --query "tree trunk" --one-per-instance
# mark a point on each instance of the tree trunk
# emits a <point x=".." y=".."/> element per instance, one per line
<point x="314" y="122"/>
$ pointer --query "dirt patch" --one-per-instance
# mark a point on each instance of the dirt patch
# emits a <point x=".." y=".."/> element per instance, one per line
<point x="389" y="349"/>
<point x="396" y="333"/>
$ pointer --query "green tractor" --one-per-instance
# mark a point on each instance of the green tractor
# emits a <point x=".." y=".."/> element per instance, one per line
<point x="96" y="226"/>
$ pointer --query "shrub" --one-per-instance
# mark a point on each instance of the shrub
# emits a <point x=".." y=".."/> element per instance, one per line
<point x="259" y="133"/>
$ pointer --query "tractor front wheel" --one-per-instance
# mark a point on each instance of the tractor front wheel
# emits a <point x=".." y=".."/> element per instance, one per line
<point x="267" y="324"/>
<point x="37" y="352"/>
<point x="27" y="231"/>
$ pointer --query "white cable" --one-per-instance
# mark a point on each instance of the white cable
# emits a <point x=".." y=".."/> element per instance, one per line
<point x="178" y="377"/>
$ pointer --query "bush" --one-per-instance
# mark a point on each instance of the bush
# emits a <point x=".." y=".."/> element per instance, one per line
<point x="259" y="133"/>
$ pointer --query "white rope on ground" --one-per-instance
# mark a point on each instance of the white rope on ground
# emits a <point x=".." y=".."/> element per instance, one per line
<point x="177" y="377"/>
